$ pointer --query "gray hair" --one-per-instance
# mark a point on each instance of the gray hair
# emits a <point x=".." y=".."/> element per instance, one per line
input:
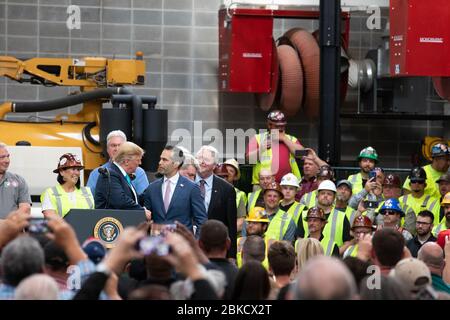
<point x="325" y="278"/>
<point x="189" y="160"/>
<point x="37" y="287"/>
<point x="21" y="258"/>
<point x="214" y="152"/>
<point x="116" y="133"/>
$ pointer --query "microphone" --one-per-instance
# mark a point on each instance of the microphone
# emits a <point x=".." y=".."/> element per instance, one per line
<point x="105" y="172"/>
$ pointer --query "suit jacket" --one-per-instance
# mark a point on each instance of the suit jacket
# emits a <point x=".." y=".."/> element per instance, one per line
<point x="222" y="207"/>
<point x="116" y="186"/>
<point x="186" y="205"/>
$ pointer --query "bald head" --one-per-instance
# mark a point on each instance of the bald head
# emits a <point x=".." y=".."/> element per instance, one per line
<point x="433" y="256"/>
<point x="325" y="278"/>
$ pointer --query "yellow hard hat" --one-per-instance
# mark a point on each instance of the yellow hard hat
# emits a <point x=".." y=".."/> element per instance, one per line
<point x="257" y="214"/>
<point x="446" y="199"/>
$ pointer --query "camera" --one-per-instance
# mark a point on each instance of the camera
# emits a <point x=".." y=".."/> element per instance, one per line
<point x="162" y="229"/>
<point x="372" y="174"/>
<point x="299" y="154"/>
<point x="38" y="225"/>
<point x="370" y="204"/>
<point x="152" y="244"/>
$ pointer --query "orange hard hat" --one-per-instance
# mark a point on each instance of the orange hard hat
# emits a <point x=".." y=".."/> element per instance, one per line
<point x="69" y="160"/>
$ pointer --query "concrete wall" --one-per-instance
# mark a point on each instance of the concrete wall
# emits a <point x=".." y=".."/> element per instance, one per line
<point x="180" y="44"/>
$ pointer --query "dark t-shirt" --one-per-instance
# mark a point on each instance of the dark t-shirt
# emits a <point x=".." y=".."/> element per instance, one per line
<point x="286" y="208"/>
<point x="414" y="245"/>
<point x="230" y="271"/>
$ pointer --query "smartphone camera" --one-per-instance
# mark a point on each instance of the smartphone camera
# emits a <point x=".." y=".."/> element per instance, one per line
<point x="149" y="245"/>
<point x="372" y="174"/>
<point x="162" y="229"/>
<point x="38" y="225"/>
<point x="370" y="204"/>
<point x="299" y="154"/>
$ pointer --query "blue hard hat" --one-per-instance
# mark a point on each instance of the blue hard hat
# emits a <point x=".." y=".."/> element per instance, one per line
<point x="392" y="204"/>
<point x="94" y="249"/>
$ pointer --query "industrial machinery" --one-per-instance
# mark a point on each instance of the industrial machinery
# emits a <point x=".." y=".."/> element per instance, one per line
<point x="99" y="80"/>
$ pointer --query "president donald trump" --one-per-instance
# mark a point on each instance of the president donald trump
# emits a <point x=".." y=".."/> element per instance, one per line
<point x="174" y="197"/>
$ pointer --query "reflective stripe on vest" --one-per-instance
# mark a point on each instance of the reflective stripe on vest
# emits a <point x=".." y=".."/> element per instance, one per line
<point x="87" y="197"/>
<point x="327" y="245"/>
<point x="277" y="226"/>
<point x="296" y="212"/>
<point x="253" y="197"/>
<point x="330" y="231"/>
<point x="58" y="200"/>
<point x="352" y="251"/>
<point x="352" y="214"/>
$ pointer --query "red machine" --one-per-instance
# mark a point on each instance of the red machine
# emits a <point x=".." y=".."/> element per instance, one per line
<point x="420" y="38"/>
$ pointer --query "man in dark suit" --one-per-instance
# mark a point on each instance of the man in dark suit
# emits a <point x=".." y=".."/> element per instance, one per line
<point x="114" y="189"/>
<point x="174" y="197"/>
<point x="219" y="195"/>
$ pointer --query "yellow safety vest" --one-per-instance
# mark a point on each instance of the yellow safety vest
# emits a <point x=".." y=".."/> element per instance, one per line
<point x="432" y="188"/>
<point x="333" y="230"/>
<point x="438" y="228"/>
<point x="351" y="251"/>
<point x="356" y="181"/>
<point x="351" y="214"/>
<point x="309" y="199"/>
<point x="240" y="245"/>
<point x="240" y="196"/>
<point x="61" y="202"/>
<point x="252" y="198"/>
<point x="278" y="225"/>
<point x="426" y="202"/>
<point x="295" y="211"/>
<point x="327" y="245"/>
<point x="265" y="161"/>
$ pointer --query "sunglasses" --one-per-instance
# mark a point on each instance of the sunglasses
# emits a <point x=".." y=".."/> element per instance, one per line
<point x="389" y="212"/>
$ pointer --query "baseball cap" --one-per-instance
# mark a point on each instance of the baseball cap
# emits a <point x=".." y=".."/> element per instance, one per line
<point x="94" y="249"/>
<point x="413" y="272"/>
<point x="444" y="178"/>
<point x="346" y="182"/>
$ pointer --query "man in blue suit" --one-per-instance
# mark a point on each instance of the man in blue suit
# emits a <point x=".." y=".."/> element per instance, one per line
<point x="174" y="197"/>
<point x="114" y="189"/>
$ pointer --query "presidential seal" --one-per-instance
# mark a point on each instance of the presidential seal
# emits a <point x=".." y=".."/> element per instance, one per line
<point x="108" y="230"/>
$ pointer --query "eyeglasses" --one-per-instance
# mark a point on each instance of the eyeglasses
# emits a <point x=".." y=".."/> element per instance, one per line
<point x="4" y="157"/>
<point x="389" y="212"/>
<point x="423" y="223"/>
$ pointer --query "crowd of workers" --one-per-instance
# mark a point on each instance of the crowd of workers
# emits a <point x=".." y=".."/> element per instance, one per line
<point x="299" y="234"/>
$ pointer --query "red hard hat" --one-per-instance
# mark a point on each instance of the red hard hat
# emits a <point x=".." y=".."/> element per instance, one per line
<point x="392" y="180"/>
<point x="441" y="238"/>
<point x="362" y="221"/>
<point x="315" y="212"/>
<point x="69" y="160"/>
<point x="274" y="186"/>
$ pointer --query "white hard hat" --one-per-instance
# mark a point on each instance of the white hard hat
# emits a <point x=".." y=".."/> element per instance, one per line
<point x="327" y="185"/>
<point x="289" y="180"/>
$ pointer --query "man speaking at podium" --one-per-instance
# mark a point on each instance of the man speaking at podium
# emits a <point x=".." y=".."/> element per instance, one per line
<point x="114" y="189"/>
<point x="174" y="197"/>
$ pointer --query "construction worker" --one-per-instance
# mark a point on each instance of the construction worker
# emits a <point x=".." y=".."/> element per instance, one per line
<point x="418" y="200"/>
<point x="367" y="159"/>
<point x="289" y="186"/>
<point x="338" y="227"/>
<point x="343" y="195"/>
<point x="256" y="198"/>
<point x="256" y="224"/>
<point x="310" y="199"/>
<point x="392" y="213"/>
<point x="440" y="154"/>
<point x="445" y="222"/>
<point x="361" y="226"/>
<point x="67" y="194"/>
<point x="372" y="192"/>
<point x="444" y="187"/>
<point x="392" y="189"/>
<point x="273" y="150"/>
<point x="316" y="221"/>
<point x="311" y="165"/>
<point x="230" y="175"/>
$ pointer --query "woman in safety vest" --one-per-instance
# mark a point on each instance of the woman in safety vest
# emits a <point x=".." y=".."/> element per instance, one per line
<point x="67" y="194"/>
